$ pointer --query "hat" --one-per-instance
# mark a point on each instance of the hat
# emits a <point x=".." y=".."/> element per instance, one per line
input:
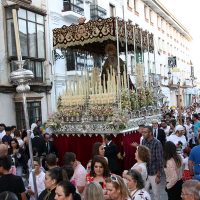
<point x="179" y="128"/>
<point x="154" y="121"/>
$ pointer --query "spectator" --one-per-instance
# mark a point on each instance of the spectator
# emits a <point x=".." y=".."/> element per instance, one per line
<point x="136" y="185"/>
<point x="13" y="129"/>
<point x="2" y="131"/>
<point x="52" y="178"/>
<point x="165" y="127"/>
<point x="10" y="182"/>
<point x="3" y="150"/>
<point x="97" y="149"/>
<point x="79" y="171"/>
<point x="38" y="142"/>
<point x="116" y="188"/>
<point x="40" y="178"/>
<point x="194" y="161"/>
<point x="17" y="135"/>
<point x="196" y="121"/>
<point x="65" y="190"/>
<point x="178" y="139"/>
<point x="17" y="155"/>
<point x="158" y="133"/>
<point x="6" y="195"/>
<point x="190" y="190"/>
<point x="49" y="146"/>
<point x="7" y="138"/>
<point x="186" y="172"/>
<point x="173" y="171"/>
<point x="99" y="171"/>
<point x="51" y="161"/>
<point x="142" y="156"/>
<point x="155" y="166"/>
<point x="111" y="152"/>
<point x="93" y="191"/>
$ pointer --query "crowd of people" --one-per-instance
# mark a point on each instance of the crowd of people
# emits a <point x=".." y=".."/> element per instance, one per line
<point x="169" y="149"/>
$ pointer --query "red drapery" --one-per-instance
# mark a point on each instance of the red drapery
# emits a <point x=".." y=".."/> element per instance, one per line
<point x="82" y="146"/>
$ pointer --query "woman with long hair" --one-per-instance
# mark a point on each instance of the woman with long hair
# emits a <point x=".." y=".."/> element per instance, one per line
<point x="18" y="156"/>
<point x="116" y="188"/>
<point x="97" y="149"/>
<point x="99" y="171"/>
<point x="173" y="171"/>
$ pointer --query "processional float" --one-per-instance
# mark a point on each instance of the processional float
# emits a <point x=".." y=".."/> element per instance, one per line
<point x="105" y="99"/>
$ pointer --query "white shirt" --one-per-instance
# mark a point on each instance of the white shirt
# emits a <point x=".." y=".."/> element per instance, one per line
<point x="39" y="182"/>
<point x="188" y="131"/>
<point x="2" y="134"/>
<point x="175" y="139"/>
<point x="142" y="168"/>
<point x="166" y="130"/>
<point x="140" y="195"/>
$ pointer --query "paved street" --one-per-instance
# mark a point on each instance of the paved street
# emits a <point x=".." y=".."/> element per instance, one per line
<point x="163" y="194"/>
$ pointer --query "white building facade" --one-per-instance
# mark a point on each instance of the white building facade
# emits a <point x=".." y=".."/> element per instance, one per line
<point x="52" y="68"/>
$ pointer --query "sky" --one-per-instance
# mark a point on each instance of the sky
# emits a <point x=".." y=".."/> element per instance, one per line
<point x="188" y="14"/>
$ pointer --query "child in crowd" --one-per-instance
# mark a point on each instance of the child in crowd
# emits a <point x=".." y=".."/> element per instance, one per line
<point x="186" y="172"/>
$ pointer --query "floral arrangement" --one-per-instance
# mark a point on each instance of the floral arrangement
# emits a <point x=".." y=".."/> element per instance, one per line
<point x="54" y="121"/>
<point x="101" y="110"/>
<point x="134" y="100"/>
<point x="71" y="111"/>
<point x="125" y="100"/>
<point x="149" y="97"/>
<point x="119" y="120"/>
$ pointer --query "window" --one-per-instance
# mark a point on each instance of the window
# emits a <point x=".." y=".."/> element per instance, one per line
<point x="158" y="22"/>
<point x="146" y="13"/>
<point x="112" y="10"/>
<point x="136" y="7"/>
<point x="151" y="17"/>
<point x="32" y="40"/>
<point x="34" y="112"/>
<point x="35" y="66"/>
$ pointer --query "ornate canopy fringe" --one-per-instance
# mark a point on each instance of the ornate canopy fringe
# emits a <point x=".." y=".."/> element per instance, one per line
<point x="93" y="36"/>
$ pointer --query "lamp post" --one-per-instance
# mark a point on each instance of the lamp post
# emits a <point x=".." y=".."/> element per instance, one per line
<point x="21" y="77"/>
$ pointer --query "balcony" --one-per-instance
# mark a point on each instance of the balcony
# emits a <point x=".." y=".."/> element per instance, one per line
<point x="73" y="9"/>
<point x="97" y="12"/>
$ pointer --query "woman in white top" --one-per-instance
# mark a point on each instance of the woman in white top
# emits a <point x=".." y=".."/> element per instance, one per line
<point x="173" y="171"/>
<point x="40" y="177"/>
<point x="142" y="156"/>
<point x="136" y="186"/>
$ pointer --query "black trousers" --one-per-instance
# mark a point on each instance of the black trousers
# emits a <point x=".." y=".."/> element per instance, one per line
<point x="174" y="193"/>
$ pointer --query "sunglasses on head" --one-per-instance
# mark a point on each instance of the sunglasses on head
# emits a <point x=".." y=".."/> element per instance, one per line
<point x="114" y="179"/>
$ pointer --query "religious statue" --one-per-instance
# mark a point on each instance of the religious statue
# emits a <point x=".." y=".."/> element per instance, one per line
<point x="111" y="62"/>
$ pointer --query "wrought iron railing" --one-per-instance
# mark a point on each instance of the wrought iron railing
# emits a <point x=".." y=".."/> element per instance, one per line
<point x="73" y="5"/>
<point x="97" y="12"/>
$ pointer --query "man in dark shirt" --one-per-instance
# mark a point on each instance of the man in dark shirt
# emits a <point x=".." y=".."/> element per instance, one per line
<point x="155" y="166"/>
<point x="10" y="182"/>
